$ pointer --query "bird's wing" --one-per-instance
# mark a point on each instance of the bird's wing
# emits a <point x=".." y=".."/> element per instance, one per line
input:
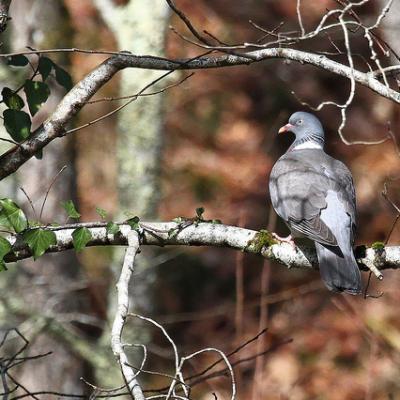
<point x="314" y="229"/>
<point x="299" y="184"/>
<point x="343" y="185"/>
<point x="339" y="270"/>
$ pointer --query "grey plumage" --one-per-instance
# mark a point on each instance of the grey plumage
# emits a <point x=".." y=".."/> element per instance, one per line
<point x="314" y="194"/>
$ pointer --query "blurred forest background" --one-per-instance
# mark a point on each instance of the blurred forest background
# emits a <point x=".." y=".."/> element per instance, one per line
<point x="217" y="141"/>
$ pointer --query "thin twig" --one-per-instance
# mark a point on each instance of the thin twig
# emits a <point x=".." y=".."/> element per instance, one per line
<point x="49" y="188"/>
<point x="29" y="201"/>
<point x="142" y="94"/>
<point x="133" y="98"/>
<point x="299" y="18"/>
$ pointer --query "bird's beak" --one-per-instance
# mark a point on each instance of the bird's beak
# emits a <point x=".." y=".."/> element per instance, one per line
<point x="286" y="128"/>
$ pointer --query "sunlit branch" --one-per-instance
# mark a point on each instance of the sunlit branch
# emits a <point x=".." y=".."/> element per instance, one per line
<point x="210" y="234"/>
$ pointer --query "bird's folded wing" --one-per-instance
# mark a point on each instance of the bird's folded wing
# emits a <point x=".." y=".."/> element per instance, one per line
<point x="299" y="187"/>
<point x="314" y="229"/>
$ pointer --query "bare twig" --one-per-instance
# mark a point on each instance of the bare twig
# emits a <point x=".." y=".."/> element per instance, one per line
<point x="131" y="99"/>
<point x="29" y="201"/>
<point x="396" y="208"/>
<point x="54" y="127"/>
<point x="303" y="32"/>
<point x="49" y="188"/>
<point x="187" y="22"/>
<point x="143" y="94"/>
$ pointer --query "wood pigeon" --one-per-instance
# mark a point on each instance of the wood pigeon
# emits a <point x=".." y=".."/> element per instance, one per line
<point x="314" y="194"/>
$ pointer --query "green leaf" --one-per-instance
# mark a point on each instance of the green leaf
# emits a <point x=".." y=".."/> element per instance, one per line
<point x="3" y="266"/>
<point x="80" y="238"/>
<point x="112" y="228"/>
<point x="34" y="224"/>
<point x="45" y="66"/>
<point x="39" y="240"/>
<point x="11" y="99"/>
<point x="17" y="124"/>
<point x="133" y="222"/>
<point x="17" y="61"/>
<point x="63" y="78"/>
<point x="172" y="233"/>
<point x="11" y="216"/>
<point x="5" y="248"/>
<point x="200" y="212"/>
<point x="36" y="94"/>
<point x="69" y="207"/>
<point x="101" y="212"/>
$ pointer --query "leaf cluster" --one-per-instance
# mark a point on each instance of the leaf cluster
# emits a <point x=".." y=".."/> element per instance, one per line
<point x="14" y="222"/>
<point x="21" y="109"/>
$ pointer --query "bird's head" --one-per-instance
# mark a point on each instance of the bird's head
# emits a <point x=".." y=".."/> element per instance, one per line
<point x="305" y="126"/>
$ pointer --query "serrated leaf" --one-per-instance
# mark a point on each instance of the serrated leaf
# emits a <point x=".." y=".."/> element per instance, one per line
<point x="101" y="212"/>
<point x="112" y="228"/>
<point x="70" y="209"/>
<point x="11" y="216"/>
<point x="63" y="78"/>
<point x="5" y="248"/>
<point x="18" y="124"/>
<point x="11" y="99"/>
<point x="17" y="61"/>
<point x="39" y="240"/>
<point x="36" y="94"/>
<point x="199" y="212"/>
<point x="45" y="66"/>
<point x="80" y="238"/>
<point x="133" y="222"/>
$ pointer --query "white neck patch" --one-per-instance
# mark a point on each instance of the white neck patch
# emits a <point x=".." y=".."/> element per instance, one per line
<point x="308" y="145"/>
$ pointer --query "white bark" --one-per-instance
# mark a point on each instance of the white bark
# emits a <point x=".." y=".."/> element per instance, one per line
<point x="121" y="314"/>
<point x="139" y="26"/>
<point x="74" y="101"/>
<point x="209" y="234"/>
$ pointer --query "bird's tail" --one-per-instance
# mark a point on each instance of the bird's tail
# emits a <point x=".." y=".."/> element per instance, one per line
<point x="339" y="271"/>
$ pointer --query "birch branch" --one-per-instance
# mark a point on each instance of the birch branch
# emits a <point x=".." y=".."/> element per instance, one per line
<point x="214" y="235"/>
<point x="121" y="315"/>
<point x="55" y="126"/>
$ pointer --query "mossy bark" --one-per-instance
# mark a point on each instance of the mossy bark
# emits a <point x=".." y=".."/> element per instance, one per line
<point x="46" y="287"/>
<point x="139" y="27"/>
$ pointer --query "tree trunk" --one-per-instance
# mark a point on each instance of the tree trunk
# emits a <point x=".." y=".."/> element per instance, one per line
<point x="48" y="287"/>
<point x="139" y="27"/>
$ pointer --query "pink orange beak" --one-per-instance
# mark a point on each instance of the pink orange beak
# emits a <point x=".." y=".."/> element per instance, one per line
<point x="286" y="128"/>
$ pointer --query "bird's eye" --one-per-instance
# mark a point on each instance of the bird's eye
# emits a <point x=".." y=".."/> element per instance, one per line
<point x="299" y="122"/>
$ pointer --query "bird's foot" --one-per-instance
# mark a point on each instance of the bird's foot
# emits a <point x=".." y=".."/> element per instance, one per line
<point x="287" y="239"/>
